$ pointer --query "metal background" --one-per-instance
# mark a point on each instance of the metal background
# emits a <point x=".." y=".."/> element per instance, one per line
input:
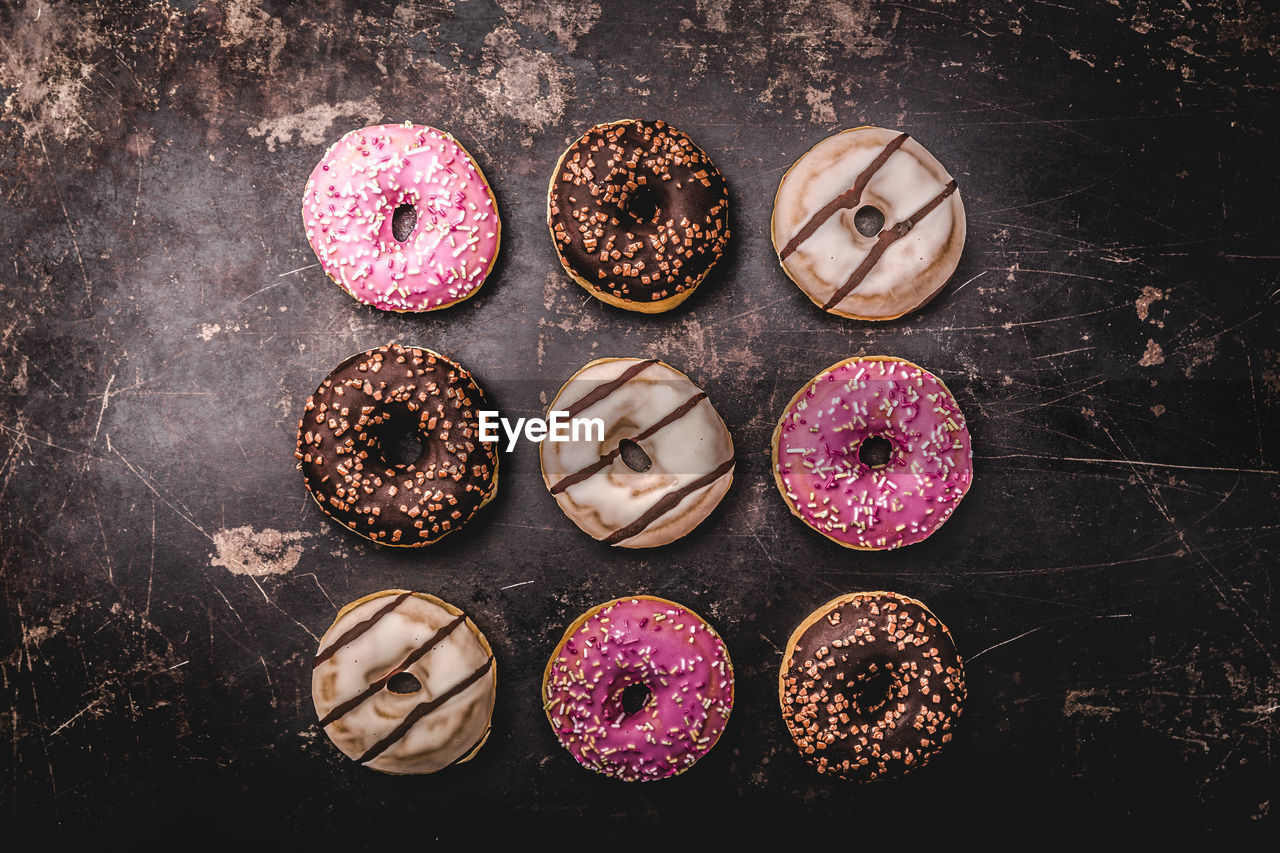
<point x="1110" y="334"/>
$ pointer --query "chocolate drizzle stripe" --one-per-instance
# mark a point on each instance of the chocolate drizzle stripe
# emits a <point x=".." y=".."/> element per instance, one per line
<point x="607" y="458"/>
<point x="666" y="503"/>
<point x="421" y="711"/>
<point x="848" y="198"/>
<point x="601" y="391"/>
<point x="346" y="707"/>
<point x="887" y="238"/>
<point x="356" y="630"/>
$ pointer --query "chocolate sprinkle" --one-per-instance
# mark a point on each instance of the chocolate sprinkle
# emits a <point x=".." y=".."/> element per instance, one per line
<point x="360" y="405"/>
<point x="638" y="211"/>
<point x="871" y="687"/>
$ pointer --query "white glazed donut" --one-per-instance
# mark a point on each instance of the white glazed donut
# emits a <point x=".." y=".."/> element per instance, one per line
<point x="671" y="419"/>
<point x="845" y="271"/>
<point x="444" y="721"/>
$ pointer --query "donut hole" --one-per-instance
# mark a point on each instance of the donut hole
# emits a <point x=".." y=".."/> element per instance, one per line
<point x="404" y="683"/>
<point x="872" y="689"/>
<point x="633" y="456"/>
<point x="404" y="219"/>
<point x="868" y="220"/>
<point x="634" y="697"/>
<point x="875" y="451"/>
<point x="642" y="203"/>
<point x="399" y="443"/>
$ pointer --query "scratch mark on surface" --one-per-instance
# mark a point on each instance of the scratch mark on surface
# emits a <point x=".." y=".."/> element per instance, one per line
<point x="768" y="556"/>
<point x="268" y="287"/>
<point x="1131" y="462"/>
<point x="1085" y="390"/>
<point x="75" y="243"/>
<point x="972" y="658"/>
<point x="77" y="715"/>
<point x="1064" y="352"/>
<point x="25" y="436"/>
<point x="106" y="549"/>
<point x="188" y="519"/>
<point x="969" y="282"/>
<point x="106" y="398"/>
<point x="1241" y="604"/>
<point x="514" y="585"/>
<point x="312" y="575"/>
<point x="1069" y="194"/>
<point x="299" y="269"/>
<point x="151" y="572"/>
<point x="137" y="198"/>
<point x="1007" y="326"/>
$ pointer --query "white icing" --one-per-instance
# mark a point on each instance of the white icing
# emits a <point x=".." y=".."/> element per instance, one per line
<point x="443" y="736"/>
<point x="680" y="453"/>
<point x="913" y="268"/>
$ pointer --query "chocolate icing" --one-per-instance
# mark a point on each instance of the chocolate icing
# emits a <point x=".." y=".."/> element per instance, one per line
<point x="851" y="719"/>
<point x="638" y="211"/>
<point x="364" y="402"/>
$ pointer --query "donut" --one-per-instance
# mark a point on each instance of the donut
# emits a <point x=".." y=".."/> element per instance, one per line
<point x="650" y="405"/>
<point x="868" y="224"/>
<point x="443" y="248"/>
<point x="404" y="683"/>
<point x="820" y="453"/>
<point x="350" y="446"/>
<point x="638" y="688"/>
<point x="638" y="213"/>
<point x="871" y="686"/>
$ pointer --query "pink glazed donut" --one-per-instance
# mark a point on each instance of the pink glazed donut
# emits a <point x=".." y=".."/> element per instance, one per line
<point x="821" y="470"/>
<point x="639" y="688"/>
<point x="348" y="209"/>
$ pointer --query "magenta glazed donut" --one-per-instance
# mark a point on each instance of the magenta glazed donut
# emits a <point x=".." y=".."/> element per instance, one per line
<point x="447" y="237"/>
<point x="829" y="480"/>
<point x="639" y="688"/>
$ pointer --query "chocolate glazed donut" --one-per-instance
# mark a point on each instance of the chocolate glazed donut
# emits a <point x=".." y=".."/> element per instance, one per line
<point x="871" y="686"/>
<point x="638" y="214"/>
<point x="348" y="453"/>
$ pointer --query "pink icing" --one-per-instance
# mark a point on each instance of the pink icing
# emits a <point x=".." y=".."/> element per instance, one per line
<point x="661" y="645"/>
<point x="833" y="491"/>
<point x="358" y="184"/>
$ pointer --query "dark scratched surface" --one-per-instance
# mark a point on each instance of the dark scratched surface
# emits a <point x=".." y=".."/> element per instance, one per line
<point x="1110" y="334"/>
